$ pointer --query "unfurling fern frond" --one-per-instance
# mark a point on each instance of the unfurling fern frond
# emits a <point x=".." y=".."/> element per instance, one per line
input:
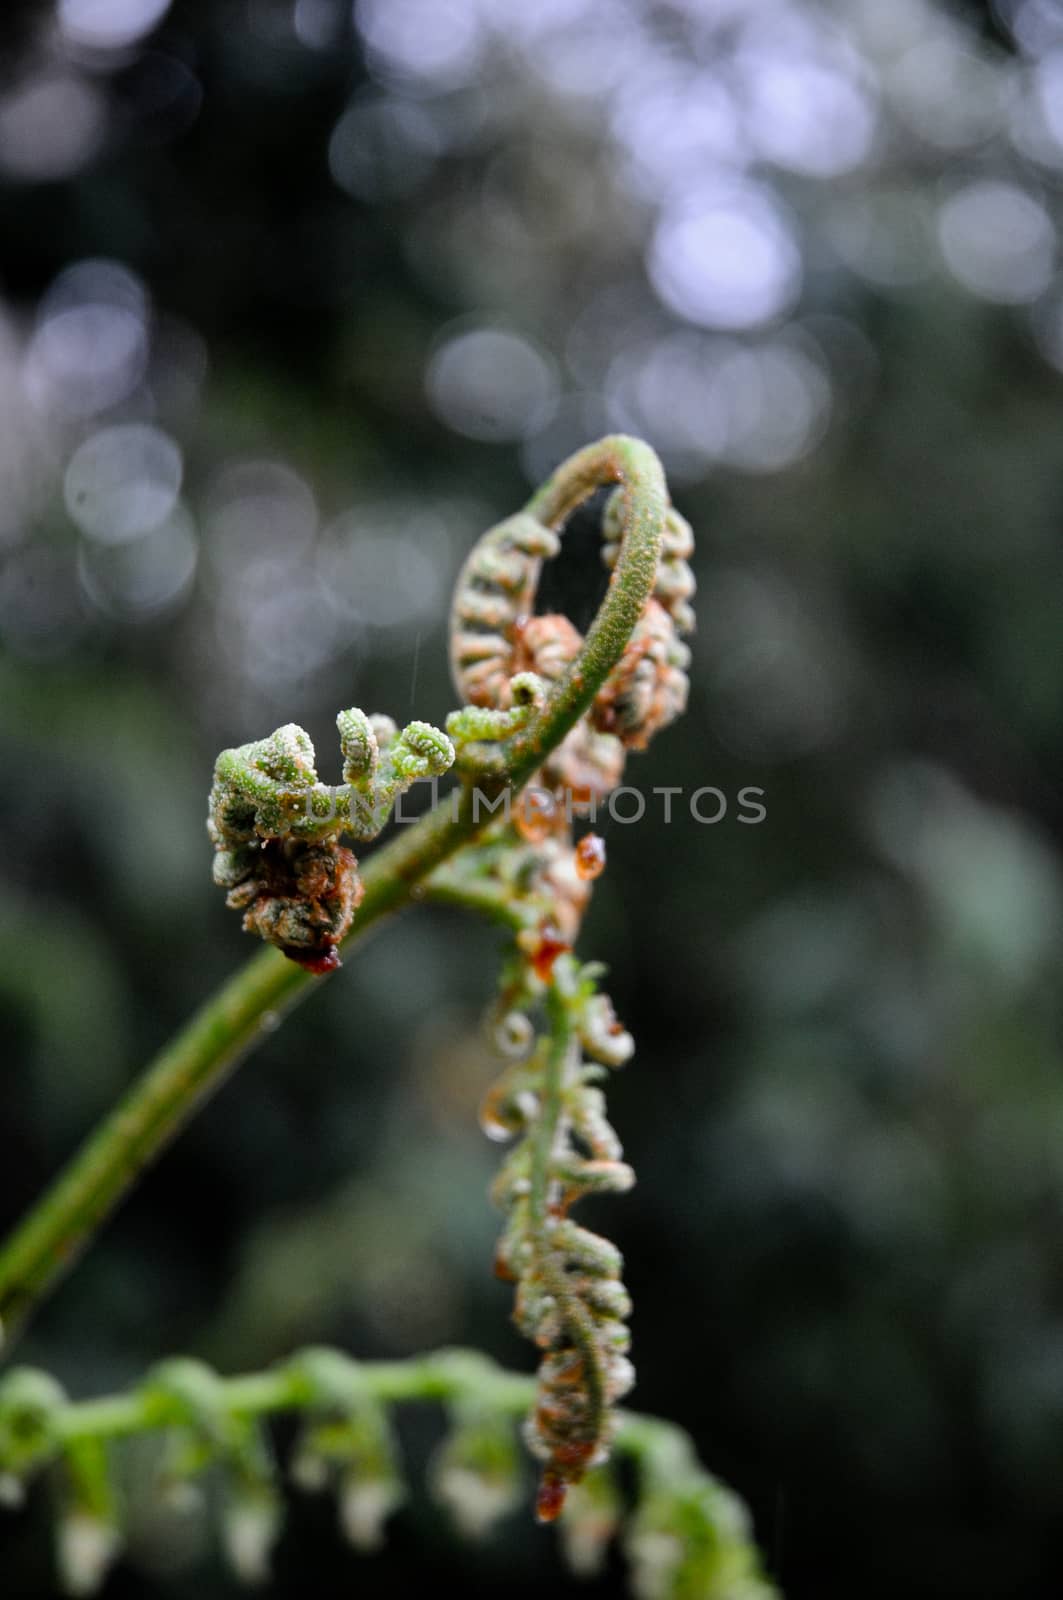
<point x="529" y="869"/>
<point x="569" y="1296"/>
<point x="276" y="829"/>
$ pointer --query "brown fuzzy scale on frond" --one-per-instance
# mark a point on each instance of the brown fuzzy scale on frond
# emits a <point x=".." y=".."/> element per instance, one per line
<point x="301" y="897"/>
<point x="648" y="687"/>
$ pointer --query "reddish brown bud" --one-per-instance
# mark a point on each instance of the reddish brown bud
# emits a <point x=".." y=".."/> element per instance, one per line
<point x="590" y="857"/>
<point x="550" y="1498"/>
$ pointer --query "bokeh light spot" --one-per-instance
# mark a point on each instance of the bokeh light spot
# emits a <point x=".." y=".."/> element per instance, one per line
<point x="434" y="42"/>
<point x="109" y="24"/>
<point x="949" y="95"/>
<point x="50" y="127"/>
<point x="256" y="510"/>
<point x="275" y="623"/>
<point x="381" y="149"/>
<point x="806" y="115"/>
<point x="122" y="482"/>
<point x="381" y="568"/>
<point x="777" y="403"/>
<point x="145" y="576"/>
<point x="681" y="124"/>
<point x="726" y="258"/>
<point x="491" y="384"/>
<point x="998" y="241"/>
<point x="90" y="347"/>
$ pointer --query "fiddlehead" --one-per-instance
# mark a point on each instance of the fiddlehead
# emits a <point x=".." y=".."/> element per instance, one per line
<point x="529" y="870"/>
<point x="496" y="642"/>
<point x="276" y="829"/>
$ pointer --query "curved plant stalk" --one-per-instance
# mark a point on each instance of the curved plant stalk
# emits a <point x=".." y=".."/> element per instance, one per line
<point x="685" y="1535"/>
<point x="251" y="1003"/>
<point x="529" y="872"/>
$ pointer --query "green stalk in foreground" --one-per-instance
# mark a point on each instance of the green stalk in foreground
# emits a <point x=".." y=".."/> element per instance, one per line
<point x="251" y="1003"/>
<point x="686" y="1536"/>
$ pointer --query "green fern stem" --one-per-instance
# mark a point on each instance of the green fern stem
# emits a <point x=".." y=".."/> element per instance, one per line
<point x="251" y="1003"/>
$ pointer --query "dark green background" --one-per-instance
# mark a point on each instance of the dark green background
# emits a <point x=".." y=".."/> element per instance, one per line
<point x="846" y="1109"/>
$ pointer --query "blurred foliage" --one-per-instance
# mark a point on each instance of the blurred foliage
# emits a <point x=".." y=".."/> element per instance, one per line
<point x="296" y="299"/>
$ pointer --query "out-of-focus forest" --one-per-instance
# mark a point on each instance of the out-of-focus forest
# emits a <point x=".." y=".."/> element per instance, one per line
<point x="297" y="298"/>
